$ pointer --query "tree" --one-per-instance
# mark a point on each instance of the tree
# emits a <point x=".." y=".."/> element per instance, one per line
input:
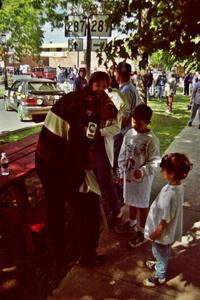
<point x="22" y="21"/>
<point x="150" y="25"/>
<point x="163" y="59"/>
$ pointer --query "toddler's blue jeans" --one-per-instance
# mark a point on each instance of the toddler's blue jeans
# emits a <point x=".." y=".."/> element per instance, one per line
<point x="161" y="254"/>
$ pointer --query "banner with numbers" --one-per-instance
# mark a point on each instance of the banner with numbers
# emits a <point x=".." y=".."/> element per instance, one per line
<point x="99" y="27"/>
<point x="75" y="26"/>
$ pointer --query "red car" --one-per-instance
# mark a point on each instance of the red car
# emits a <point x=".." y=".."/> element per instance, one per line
<point x="37" y="72"/>
<point x="49" y="73"/>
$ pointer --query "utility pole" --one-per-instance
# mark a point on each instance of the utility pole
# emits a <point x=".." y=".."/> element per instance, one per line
<point x="5" y="69"/>
<point x="88" y="47"/>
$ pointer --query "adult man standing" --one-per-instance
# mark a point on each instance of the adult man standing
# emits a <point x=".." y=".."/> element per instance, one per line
<point x="149" y="81"/>
<point x="195" y="103"/>
<point x="126" y="87"/>
<point x="161" y="81"/>
<point x="65" y="161"/>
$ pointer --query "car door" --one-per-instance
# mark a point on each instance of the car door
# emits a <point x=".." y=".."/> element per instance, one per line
<point x="14" y="94"/>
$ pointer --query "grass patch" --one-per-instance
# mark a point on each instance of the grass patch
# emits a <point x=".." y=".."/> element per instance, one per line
<point x="2" y="90"/>
<point x="168" y="126"/>
<point x="12" y="137"/>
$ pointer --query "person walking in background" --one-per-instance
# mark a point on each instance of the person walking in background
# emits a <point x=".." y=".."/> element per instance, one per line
<point x="126" y="87"/>
<point x="139" y="157"/>
<point x="80" y="81"/>
<point x="71" y="78"/>
<point x="195" y="103"/>
<point x="160" y="83"/>
<point x="186" y="82"/>
<point x="149" y="81"/>
<point x="65" y="163"/>
<point x="60" y="74"/>
<point x="165" y="218"/>
<point x="170" y="90"/>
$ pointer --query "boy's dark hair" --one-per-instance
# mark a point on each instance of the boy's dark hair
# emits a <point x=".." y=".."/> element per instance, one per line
<point x="98" y="76"/>
<point x="142" y="112"/>
<point x="176" y="163"/>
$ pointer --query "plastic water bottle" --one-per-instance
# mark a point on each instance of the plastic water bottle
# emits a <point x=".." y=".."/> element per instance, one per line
<point x="4" y="165"/>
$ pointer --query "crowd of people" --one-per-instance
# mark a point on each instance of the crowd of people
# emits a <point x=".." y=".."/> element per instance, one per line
<point x="99" y="131"/>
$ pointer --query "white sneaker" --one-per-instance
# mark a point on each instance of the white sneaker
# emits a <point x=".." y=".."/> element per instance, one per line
<point x="153" y="281"/>
<point x="150" y="264"/>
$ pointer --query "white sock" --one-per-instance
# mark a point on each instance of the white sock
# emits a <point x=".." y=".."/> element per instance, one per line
<point x="132" y="222"/>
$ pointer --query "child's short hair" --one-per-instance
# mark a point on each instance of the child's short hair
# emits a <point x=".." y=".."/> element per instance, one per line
<point x="177" y="163"/>
<point x="142" y="112"/>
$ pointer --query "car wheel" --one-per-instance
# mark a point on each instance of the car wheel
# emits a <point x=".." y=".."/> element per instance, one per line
<point x="20" y="113"/>
<point x="6" y="106"/>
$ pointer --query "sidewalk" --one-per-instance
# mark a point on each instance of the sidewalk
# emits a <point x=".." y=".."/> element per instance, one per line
<point x="121" y="277"/>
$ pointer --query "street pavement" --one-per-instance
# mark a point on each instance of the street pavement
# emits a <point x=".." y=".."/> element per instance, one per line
<point x="122" y="275"/>
<point x="9" y="122"/>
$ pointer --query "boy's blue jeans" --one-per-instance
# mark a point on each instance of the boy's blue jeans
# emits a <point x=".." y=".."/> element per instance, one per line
<point x="160" y="91"/>
<point x="161" y="254"/>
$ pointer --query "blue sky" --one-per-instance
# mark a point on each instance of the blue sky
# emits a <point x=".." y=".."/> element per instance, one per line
<point x="55" y="36"/>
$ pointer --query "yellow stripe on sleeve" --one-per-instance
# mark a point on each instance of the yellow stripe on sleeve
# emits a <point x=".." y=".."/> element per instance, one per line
<point x="57" y="125"/>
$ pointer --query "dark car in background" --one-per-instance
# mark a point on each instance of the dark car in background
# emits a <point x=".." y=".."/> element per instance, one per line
<point x="32" y="96"/>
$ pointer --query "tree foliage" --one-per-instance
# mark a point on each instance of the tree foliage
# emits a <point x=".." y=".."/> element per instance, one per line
<point x="146" y="25"/>
<point x="22" y="20"/>
<point x="151" y="25"/>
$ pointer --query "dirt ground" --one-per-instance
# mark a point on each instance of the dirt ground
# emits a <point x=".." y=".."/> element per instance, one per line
<point x="25" y="275"/>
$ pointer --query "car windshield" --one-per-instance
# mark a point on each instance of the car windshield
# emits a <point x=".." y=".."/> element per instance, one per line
<point x="43" y="86"/>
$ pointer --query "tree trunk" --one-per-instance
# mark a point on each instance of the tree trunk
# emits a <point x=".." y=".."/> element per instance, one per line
<point x="141" y="86"/>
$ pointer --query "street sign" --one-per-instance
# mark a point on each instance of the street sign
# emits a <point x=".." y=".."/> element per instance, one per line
<point x="99" y="26"/>
<point x="75" y="44"/>
<point x="75" y="26"/>
<point x="97" y="43"/>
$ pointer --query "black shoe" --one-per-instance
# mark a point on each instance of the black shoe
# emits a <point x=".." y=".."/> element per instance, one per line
<point x="137" y="240"/>
<point x="93" y="261"/>
<point x="190" y="124"/>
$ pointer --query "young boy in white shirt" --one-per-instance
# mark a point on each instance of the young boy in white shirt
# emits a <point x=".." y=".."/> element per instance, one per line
<point x="139" y="157"/>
